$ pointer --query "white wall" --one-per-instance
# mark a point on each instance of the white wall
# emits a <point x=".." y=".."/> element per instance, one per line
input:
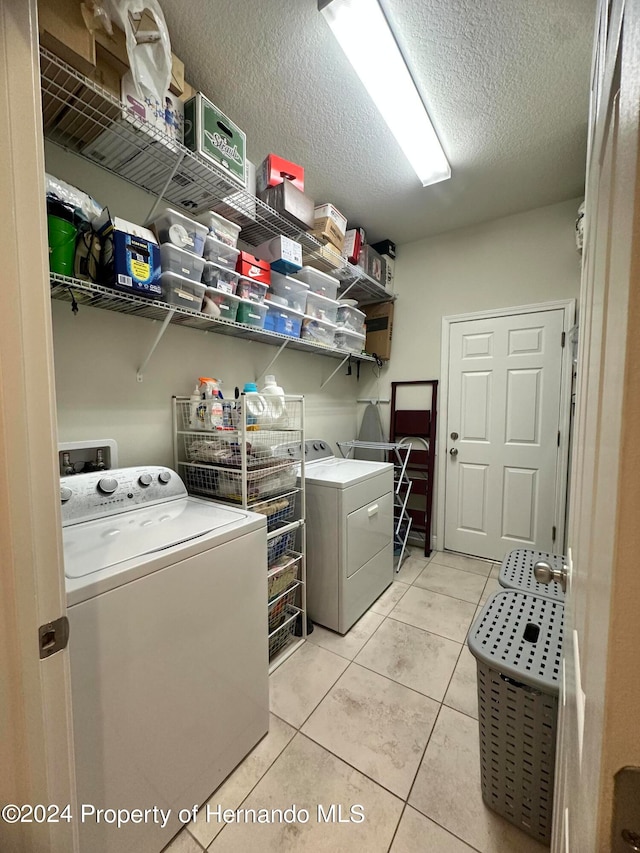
<point x="97" y="354"/>
<point x="518" y="260"/>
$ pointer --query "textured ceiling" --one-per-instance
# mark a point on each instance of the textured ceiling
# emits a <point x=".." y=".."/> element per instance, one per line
<point x="506" y="83"/>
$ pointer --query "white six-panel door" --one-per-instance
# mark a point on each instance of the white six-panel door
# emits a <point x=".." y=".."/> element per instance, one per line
<point x="503" y="415"/>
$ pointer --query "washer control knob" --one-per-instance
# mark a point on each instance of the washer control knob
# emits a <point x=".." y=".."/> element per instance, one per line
<point x="107" y="485"/>
<point x="145" y="479"/>
<point x="65" y="493"/>
<point x="315" y="446"/>
<point x="164" y="476"/>
<point x="323" y="446"/>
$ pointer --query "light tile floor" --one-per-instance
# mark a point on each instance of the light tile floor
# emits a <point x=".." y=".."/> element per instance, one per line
<point x="384" y="718"/>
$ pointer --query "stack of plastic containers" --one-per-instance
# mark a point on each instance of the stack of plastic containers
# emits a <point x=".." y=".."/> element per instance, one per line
<point x="228" y="296"/>
<point x="350" y="334"/>
<point x="319" y="323"/>
<point x="181" y="246"/>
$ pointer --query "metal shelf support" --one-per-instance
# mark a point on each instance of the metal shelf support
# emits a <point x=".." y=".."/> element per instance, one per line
<point x="329" y="378"/>
<point x="158" y="338"/>
<point x="272" y="362"/>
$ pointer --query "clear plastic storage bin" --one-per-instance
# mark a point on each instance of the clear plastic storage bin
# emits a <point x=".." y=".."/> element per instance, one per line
<point x="178" y="229"/>
<point x="181" y="291"/>
<point x="351" y="341"/>
<point x="219" y="277"/>
<point x="293" y="292"/>
<point x="220" y="228"/>
<point x="318" y="331"/>
<point x="174" y="259"/>
<point x="282" y="320"/>
<point x="319" y="282"/>
<point x="321" y="308"/>
<point x="217" y="303"/>
<point x="251" y="313"/>
<point x="220" y="253"/>
<point x="249" y="289"/>
<point x="350" y="319"/>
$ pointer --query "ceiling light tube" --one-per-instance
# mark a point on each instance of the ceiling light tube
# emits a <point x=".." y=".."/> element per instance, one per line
<point x="363" y="33"/>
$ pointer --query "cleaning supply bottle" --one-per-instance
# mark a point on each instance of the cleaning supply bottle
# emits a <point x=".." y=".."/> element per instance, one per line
<point x="194" y="403"/>
<point x="275" y="413"/>
<point x="210" y="407"/>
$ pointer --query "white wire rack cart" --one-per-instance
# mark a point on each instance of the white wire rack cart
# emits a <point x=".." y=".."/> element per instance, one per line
<point x="398" y="454"/>
<point x="238" y="465"/>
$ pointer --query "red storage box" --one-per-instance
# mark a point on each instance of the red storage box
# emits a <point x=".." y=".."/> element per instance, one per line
<point x="253" y="268"/>
<point x="274" y="170"/>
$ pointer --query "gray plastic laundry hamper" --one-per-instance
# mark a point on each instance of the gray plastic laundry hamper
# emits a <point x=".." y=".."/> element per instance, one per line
<point x="516" y="572"/>
<point x="517" y="642"/>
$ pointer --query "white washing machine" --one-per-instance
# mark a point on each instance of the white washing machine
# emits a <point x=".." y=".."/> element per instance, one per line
<point x="168" y="643"/>
<point x="349" y="535"/>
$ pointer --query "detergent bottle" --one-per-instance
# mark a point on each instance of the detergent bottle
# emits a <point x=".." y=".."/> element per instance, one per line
<point x="275" y="411"/>
<point x="194" y="404"/>
<point x="255" y="404"/>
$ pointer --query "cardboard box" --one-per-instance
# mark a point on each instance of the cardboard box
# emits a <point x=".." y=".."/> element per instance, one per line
<point x="284" y="255"/>
<point x="353" y="241"/>
<point x="326" y="231"/>
<point x="115" y="45"/>
<point x="252" y="267"/>
<point x="387" y="250"/>
<point x="130" y="256"/>
<point x="215" y="137"/>
<point x="372" y="263"/>
<point x="328" y="211"/>
<point x="73" y="122"/>
<point x="188" y="92"/>
<point x="167" y="118"/>
<point x="274" y="170"/>
<point x="385" y="247"/>
<point x="326" y="257"/>
<point x="291" y="203"/>
<point x="379" y="327"/>
<point x="63" y="31"/>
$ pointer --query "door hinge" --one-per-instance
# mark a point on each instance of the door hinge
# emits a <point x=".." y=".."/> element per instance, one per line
<point x="553" y="533"/>
<point x="563" y="339"/>
<point x="53" y="637"/>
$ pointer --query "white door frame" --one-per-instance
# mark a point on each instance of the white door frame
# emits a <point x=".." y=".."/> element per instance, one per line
<point x="568" y="306"/>
<point x="36" y="744"/>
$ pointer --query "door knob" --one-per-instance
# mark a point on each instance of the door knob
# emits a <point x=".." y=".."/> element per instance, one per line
<point x="453" y="451"/>
<point x="544" y="572"/>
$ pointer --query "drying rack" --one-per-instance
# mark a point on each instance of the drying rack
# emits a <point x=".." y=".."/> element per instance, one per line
<point x="413" y="426"/>
<point x="398" y="453"/>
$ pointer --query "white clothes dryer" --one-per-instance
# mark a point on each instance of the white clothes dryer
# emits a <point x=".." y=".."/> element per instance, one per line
<point x="349" y="535"/>
<point x="168" y="645"/>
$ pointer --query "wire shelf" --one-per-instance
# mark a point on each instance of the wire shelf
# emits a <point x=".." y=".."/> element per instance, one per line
<point x="282" y="574"/>
<point x="279" y="638"/>
<point x="87" y="293"/>
<point x="278" y="510"/>
<point x="81" y="116"/>
<point x="273" y="427"/>
<point x="278" y="605"/>
<point x="226" y="483"/>
<point x="277" y="546"/>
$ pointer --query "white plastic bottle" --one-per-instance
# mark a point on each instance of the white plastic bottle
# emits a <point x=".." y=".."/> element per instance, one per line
<point x="275" y="410"/>
<point x="194" y="402"/>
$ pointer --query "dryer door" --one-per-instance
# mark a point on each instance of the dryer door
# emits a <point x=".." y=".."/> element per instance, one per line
<point x="369" y="529"/>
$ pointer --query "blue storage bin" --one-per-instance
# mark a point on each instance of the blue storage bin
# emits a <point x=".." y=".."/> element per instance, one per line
<point x="284" y="321"/>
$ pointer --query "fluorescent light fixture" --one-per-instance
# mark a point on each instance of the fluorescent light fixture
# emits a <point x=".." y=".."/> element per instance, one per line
<point x="363" y="33"/>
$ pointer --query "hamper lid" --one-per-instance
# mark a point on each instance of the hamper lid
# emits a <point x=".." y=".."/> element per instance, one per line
<point x="516" y="572"/>
<point x="520" y="635"/>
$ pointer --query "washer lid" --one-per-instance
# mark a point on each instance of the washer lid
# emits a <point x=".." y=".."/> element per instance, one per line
<point x="95" y="545"/>
<point x="342" y="473"/>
